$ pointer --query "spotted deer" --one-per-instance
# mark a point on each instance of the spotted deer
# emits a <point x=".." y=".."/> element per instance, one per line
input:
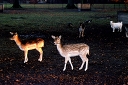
<point x="28" y="45"/>
<point x="71" y="50"/>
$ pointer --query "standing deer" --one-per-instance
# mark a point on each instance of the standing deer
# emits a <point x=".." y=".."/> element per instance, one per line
<point x="82" y="27"/>
<point x="81" y="30"/>
<point x="29" y="45"/>
<point x="68" y="51"/>
<point x="117" y="25"/>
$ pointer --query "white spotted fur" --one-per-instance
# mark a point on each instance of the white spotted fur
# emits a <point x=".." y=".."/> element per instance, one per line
<point x="68" y="51"/>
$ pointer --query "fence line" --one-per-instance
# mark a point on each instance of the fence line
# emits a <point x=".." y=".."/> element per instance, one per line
<point x="62" y="6"/>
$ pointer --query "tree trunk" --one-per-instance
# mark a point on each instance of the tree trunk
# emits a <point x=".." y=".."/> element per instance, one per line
<point x="71" y="5"/>
<point x="16" y="4"/>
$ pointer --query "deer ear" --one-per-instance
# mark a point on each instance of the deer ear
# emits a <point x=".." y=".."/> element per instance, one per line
<point x="60" y="36"/>
<point x="53" y="37"/>
<point x="11" y="33"/>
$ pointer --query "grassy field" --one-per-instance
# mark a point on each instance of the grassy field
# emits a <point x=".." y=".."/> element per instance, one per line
<point x="48" y="18"/>
<point x="108" y="59"/>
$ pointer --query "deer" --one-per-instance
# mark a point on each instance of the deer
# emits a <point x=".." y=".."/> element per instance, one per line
<point x="82" y="27"/>
<point x="81" y="30"/>
<point x="117" y="25"/>
<point x="28" y="45"/>
<point x="72" y="50"/>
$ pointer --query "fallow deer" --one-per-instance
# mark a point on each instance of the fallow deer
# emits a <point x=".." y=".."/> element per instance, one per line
<point x="82" y="27"/>
<point x="71" y="50"/>
<point x="81" y="30"/>
<point x="28" y="45"/>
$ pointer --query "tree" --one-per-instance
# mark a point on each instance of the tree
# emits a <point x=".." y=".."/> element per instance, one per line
<point x="71" y="5"/>
<point x="16" y="4"/>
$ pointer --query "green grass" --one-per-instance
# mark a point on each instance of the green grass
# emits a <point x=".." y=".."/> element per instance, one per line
<point x="94" y="6"/>
<point x="43" y="18"/>
<point x="6" y="5"/>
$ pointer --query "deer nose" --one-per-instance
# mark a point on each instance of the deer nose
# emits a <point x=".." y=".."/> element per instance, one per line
<point x="55" y="43"/>
<point x="10" y="38"/>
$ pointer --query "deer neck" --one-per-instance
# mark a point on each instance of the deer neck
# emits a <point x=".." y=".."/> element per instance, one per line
<point x="18" y="41"/>
<point x="59" y="48"/>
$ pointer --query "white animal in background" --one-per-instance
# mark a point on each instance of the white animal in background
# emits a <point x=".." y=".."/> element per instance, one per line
<point x="117" y="25"/>
<point x="126" y="32"/>
<point x="68" y="51"/>
<point x="28" y="45"/>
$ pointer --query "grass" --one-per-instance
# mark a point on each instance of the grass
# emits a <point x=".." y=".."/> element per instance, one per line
<point x="46" y="19"/>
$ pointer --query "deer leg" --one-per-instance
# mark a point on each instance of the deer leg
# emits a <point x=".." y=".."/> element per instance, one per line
<point x="83" y="33"/>
<point x="79" y="34"/>
<point x="126" y="34"/>
<point x="86" y="64"/>
<point x="81" y="65"/>
<point x="120" y="29"/>
<point x="83" y="61"/>
<point x="113" y="30"/>
<point x="26" y="58"/>
<point x="70" y="63"/>
<point x="41" y="53"/>
<point x="66" y="60"/>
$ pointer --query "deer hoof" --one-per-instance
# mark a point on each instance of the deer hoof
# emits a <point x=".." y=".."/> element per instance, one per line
<point x="40" y="60"/>
<point x="26" y="60"/>
<point x="80" y="68"/>
<point x="85" y="70"/>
